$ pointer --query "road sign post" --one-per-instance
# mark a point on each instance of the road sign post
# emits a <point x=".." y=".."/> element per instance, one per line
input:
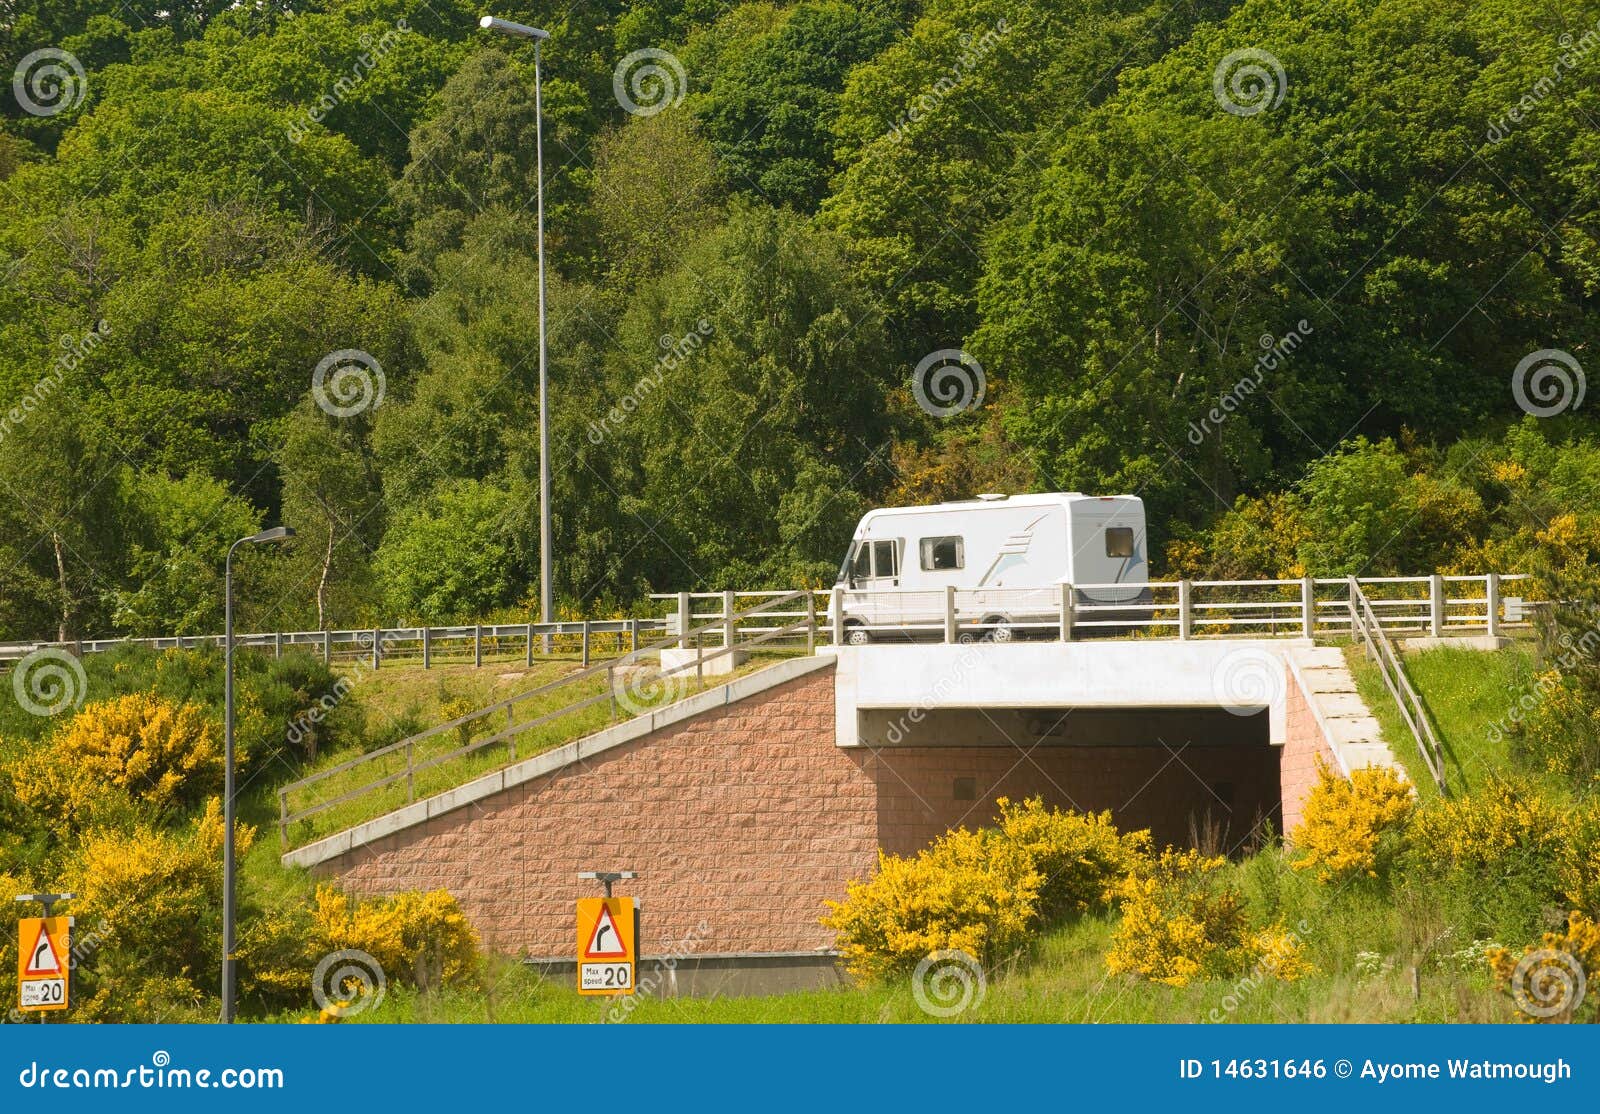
<point x="608" y="938"/>
<point x="44" y="958"/>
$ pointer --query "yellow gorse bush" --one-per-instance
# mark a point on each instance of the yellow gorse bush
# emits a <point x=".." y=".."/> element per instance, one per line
<point x="1178" y="926"/>
<point x="1477" y="833"/>
<point x="1558" y="733"/>
<point x="1352" y="828"/>
<point x="420" y="938"/>
<point x="982" y="892"/>
<point x="1080" y="855"/>
<point x="1552" y="970"/>
<point x="155" y="751"/>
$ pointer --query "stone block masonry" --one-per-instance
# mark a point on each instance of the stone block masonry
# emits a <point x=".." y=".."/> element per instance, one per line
<point x="743" y="818"/>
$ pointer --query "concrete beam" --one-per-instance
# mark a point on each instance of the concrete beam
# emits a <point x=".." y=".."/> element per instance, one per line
<point x="1246" y="675"/>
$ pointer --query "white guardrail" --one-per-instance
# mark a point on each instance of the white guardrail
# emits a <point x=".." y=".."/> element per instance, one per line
<point x="1309" y="608"/>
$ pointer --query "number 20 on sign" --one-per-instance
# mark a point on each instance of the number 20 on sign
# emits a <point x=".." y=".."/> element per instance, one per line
<point x="43" y="948"/>
<point x="606" y="945"/>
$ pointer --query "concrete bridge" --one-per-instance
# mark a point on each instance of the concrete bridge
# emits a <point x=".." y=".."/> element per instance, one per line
<point x="745" y="807"/>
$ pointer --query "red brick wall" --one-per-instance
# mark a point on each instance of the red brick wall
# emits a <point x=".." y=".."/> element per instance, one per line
<point x="746" y="818"/>
<point x="1303" y="747"/>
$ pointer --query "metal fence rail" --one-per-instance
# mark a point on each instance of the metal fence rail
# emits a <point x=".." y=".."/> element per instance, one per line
<point x="1309" y="608"/>
<point x="290" y="812"/>
<point x="1380" y="648"/>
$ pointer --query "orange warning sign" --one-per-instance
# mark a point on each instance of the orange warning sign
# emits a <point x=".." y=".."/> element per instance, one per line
<point x="43" y="947"/>
<point x="606" y="945"/>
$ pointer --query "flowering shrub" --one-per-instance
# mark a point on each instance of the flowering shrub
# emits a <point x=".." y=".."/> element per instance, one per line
<point x="969" y="891"/>
<point x="1080" y="855"/>
<point x="1179" y="925"/>
<point x="1562" y="732"/>
<point x="152" y="899"/>
<point x="1351" y="828"/>
<point x="420" y="938"/>
<point x="982" y="892"/>
<point x="158" y="752"/>
<point x="1555" y="980"/>
<point x="1487" y="832"/>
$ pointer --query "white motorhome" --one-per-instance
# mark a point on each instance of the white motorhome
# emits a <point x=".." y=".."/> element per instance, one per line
<point x="1006" y="556"/>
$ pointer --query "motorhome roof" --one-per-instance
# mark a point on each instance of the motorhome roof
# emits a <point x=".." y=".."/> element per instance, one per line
<point x="1041" y="499"/>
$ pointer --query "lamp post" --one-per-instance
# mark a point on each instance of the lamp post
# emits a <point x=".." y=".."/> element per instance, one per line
<point x="275" y="534"/>
<point x="523" y="31"/>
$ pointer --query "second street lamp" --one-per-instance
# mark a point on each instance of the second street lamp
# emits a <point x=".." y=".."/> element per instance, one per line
<point x="522" y="30"/>
<point x="229" y="917"/>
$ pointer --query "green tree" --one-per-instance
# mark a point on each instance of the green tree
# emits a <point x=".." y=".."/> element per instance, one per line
<point x="769" y="115"/>
<point x="330" y="497"/>
<point x="179" y="533"/>
<point x="448" y="559"/>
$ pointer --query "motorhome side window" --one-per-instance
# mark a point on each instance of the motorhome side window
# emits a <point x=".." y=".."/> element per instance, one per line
<point x="862" y="569"/>
<point x="1119" y="541"/>
<point x="942" y="553"/>
<point x="885" y="559"/>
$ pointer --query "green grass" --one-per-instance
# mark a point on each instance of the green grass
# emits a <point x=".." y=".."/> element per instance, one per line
<point x="1467" y="694"/>
<point x="1064" y="979"/>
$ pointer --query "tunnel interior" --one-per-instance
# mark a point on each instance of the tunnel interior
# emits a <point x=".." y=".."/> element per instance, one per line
<point x="1200" y="776"/>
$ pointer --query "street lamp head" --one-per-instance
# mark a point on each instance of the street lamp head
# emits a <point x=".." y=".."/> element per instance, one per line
<point x="494" y="23"/>
<point x="275" y="534"/>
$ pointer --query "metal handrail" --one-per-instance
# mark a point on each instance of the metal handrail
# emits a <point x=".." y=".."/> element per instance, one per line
<point x="509" y="734"/>
<point x="1381" y="649"/>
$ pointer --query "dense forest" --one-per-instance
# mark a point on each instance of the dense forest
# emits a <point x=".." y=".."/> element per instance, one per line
<point x="1318" y="281"/>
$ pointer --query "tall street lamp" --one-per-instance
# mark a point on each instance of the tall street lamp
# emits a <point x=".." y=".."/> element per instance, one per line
<point x="522" y="30"/>
<point x="276" y="534"/>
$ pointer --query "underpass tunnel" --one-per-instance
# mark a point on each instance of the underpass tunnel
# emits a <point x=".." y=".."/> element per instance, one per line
<point x="1194" y="776"/>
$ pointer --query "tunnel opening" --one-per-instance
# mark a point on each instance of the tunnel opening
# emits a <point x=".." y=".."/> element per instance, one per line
<point x="1203" y="777"/>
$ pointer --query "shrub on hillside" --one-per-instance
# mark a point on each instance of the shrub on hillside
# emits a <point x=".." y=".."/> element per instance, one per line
<point x="1352" y="828"/>
<point x="1548" y="981"/>
<point x="1561" y="735"/>
<point x="1181" y="923"/>
<point x="150" y="901"/>
<point x="157" y="752"/>
<point x="1498" y="851"/>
